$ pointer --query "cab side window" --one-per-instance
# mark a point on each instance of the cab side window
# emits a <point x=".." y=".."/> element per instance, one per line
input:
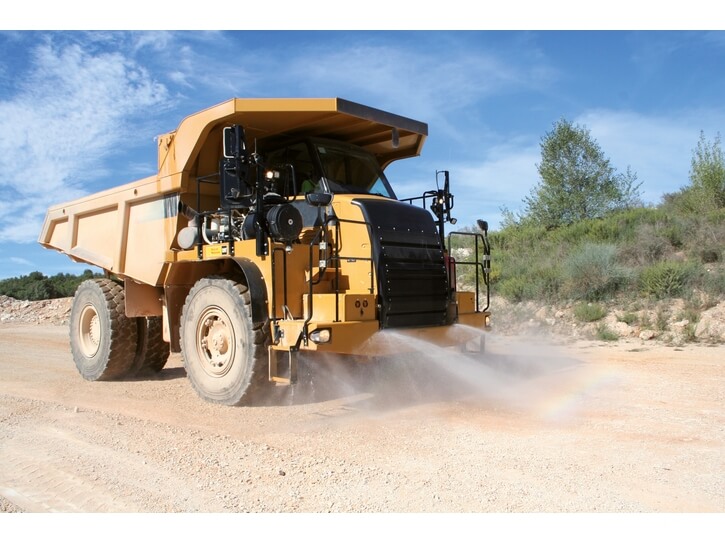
<point x="298" y="155"/>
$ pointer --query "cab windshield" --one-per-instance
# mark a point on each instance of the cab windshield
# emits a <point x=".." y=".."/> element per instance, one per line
<point x="348" y="169"/>
<point x="329" y="166"/>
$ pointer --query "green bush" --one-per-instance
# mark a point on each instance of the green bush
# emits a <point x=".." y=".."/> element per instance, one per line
<point x="689" y="333"/>
<point x="592" y="272"/>
<point x="706" y="237"/>
<point x="516" y="289"/>
<point x="647" y="246"/>
<point x="604" y="333"/>
<point x="690" y="312"/>
<point x="547" y="284"/>
<point x="661" y="320"/>
<point x="588" y="312"/>
<point x="709" y="255"/>
<point x="675" y="234"/>
<point x="629" y="318"/>
<point x="666" y="279"/>
<point x="713" y="282"/>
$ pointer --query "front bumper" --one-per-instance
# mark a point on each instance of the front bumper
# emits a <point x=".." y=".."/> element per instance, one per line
<point x="365" y="338"/>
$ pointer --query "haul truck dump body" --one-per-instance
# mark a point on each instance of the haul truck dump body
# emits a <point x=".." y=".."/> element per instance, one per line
<point x="270" y="228"/>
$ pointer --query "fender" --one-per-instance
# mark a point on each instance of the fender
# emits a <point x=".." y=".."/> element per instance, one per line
<point x="183" y="275"/>
<point x="257" y="288"/>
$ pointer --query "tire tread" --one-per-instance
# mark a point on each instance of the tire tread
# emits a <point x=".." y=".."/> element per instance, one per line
<point x="257" y="332"/>
<point x="121" y="329"/>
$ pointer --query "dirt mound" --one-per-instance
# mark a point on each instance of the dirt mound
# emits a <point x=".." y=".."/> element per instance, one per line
<point x="53" y="312"/>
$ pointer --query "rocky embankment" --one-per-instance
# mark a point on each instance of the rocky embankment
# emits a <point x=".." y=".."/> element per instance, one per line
<point x="665" y="322"/>
<point x="54" y="312"/>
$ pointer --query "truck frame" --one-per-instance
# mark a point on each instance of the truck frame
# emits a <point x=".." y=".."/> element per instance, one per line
<point x="269" y="229"/>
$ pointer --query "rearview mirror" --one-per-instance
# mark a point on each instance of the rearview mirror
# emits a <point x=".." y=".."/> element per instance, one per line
<point x="318" y="200"/>
<point x="234" y="142"/>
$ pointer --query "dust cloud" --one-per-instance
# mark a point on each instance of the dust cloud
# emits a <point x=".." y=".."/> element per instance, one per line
<point x="510" y="374"/>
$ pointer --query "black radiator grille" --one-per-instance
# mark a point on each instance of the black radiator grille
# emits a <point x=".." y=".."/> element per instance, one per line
<point x="412" y="280"/>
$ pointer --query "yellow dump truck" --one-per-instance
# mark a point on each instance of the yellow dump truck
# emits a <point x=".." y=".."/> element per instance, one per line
<point x="269" y="228"/>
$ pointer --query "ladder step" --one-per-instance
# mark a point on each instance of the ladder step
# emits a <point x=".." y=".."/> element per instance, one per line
<point x="290" y="377"/>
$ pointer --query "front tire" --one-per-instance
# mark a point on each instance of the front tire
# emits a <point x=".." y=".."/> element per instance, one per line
<point x="224" y="352"/>
<point x="102" y="338"/>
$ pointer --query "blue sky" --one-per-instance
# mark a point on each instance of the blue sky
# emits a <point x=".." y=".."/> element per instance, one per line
<point x="79" y="110"/>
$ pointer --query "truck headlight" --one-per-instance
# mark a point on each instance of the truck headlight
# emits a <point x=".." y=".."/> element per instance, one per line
<point x="321" y="336"/>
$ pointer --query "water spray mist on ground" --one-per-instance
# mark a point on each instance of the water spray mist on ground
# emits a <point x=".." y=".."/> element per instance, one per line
<point x="511" y="374"/>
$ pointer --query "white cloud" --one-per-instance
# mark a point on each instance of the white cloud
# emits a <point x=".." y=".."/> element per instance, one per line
<point x="428" y="83"/>
<point x="21" y="261"/>
<point x="502" y="179"/>
<point x="658" y="148"/>
<point x="70" y="110"/>
<point x="180" y="78"/>
<point x="157" y="41"/>
<point x="438" y="75"/>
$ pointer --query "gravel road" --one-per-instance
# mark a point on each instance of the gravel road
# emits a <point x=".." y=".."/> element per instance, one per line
<point x="579" y="427"/>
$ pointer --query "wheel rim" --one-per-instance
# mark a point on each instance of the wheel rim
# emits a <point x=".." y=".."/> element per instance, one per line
<point x="89" y="331"/>
<point x="216" y="341"/>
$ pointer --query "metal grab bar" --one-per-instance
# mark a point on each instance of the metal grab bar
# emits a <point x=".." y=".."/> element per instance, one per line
<point x="483" y="264"/>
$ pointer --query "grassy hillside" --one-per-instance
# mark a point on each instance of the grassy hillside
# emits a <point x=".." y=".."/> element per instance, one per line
<point x="645" y="252"/>
<point x="632" y="260"/>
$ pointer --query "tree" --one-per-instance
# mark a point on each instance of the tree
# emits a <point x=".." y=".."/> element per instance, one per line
<point x="36" y="286"/>
<point x="706" y="191"/>
<point x="707" y="174"/>
<point x="577" y="180"/>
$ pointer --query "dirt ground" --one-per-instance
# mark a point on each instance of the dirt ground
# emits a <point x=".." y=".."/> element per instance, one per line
<point x="545" y="427"/>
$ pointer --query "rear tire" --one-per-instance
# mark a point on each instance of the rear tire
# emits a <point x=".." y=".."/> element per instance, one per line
<point x="224" y="352"/>
<point x="102" y="338"/>
<point x="152" y="351"/>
